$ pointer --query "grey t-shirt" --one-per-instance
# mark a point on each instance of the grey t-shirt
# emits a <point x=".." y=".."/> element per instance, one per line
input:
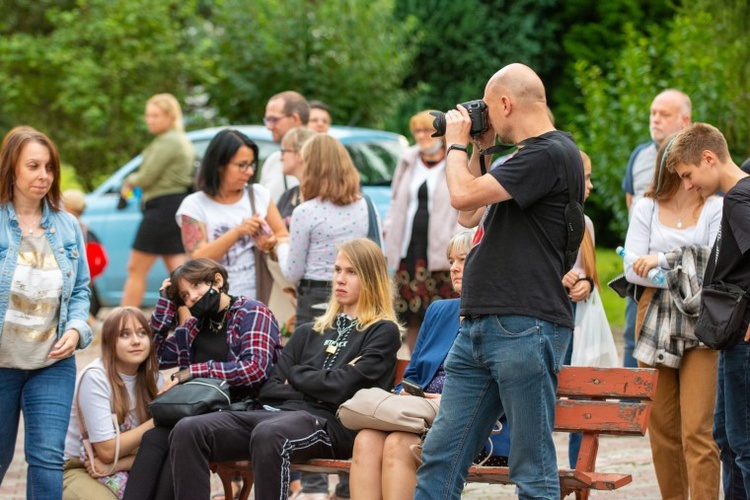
<point x="643" y="172"/>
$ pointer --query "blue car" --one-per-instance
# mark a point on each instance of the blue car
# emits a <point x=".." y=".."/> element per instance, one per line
<point x="375" y="153"/>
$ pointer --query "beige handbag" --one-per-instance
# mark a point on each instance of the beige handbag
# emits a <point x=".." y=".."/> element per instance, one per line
<point x="377" y="409"/>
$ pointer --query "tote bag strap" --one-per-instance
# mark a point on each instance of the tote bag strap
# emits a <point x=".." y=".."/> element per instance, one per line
<point x="84" y="432"/>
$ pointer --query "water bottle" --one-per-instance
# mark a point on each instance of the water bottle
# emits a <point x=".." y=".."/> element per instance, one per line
<point x="657" y="275"/>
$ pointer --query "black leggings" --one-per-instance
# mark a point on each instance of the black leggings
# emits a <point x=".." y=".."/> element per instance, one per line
<point x="150" y="477"/>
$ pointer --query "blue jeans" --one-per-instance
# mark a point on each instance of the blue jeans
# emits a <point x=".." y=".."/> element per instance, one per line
<point x="498" y="364"/>
<point x="732" y="419"/>
<point x="631" y="309"/>
<point x="45" y="397"/>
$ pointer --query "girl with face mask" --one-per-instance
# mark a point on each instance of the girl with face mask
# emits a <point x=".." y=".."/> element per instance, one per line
<point x="231" y="338"/>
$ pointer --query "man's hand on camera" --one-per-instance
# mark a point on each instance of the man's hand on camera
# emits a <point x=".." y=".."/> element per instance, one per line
<point x="457" y="126"/>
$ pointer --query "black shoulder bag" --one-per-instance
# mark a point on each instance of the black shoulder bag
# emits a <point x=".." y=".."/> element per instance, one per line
<point x="723" y="308"/>
<point x="574" y="221"/>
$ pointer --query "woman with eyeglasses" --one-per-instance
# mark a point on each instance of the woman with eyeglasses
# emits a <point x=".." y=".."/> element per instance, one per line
<point x="230" y="214"/>
<point x="164" y="177"/>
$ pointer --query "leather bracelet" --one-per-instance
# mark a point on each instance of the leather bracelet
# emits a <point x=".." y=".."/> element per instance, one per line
<point x="456" y="147"/>
<point x="590" y="280"/>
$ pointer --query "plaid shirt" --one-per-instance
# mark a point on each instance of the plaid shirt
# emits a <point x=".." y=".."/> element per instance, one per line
<point x="669" y="324"/>
<point x="252" y="335"/>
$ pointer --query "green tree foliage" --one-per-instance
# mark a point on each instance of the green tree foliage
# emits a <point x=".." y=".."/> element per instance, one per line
<point x="463" y="43"/>
<point x="685" y="55"/>
<point x="594" y="31"/>
<point x="351" y="54"/>
<point x="85" y="82"/>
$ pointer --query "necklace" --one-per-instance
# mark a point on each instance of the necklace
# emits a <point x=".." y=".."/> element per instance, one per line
<point x="682" y="217"/>
<point x="217" y="326"/>
<point x="30" y="227"/>
<point x="344" y="326"/>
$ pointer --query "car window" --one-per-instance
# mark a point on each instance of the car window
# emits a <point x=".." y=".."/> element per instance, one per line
<point x="375" y="160"/>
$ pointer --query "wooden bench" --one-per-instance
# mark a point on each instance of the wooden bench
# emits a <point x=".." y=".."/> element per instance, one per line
<point x="598" y="408"/>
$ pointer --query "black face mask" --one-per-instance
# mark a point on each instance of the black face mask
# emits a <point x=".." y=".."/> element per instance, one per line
<point x="206" y="305"/>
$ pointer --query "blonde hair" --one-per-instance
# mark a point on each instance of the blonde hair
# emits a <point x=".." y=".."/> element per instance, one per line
<point x="376" y="292"/>
<point x="423" y="119"/>
<point x="588" y="255"/>
<point x="460" y="243"/>
<point x="330" y="173"/>
<point x="74" y="201"/>
<point x="169" y="104"/>
<point x="296" y="138"/>
<point x="688" y="145"/>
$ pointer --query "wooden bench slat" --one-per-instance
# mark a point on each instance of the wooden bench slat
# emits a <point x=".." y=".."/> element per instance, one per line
<point x="494" y="475"/>
<point x="601" y="416"/>
<point x="620" y="383"/>
<point x="592" y="414"/>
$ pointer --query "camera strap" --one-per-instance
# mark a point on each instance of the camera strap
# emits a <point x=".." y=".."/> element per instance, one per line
<point x="493" y="150"/>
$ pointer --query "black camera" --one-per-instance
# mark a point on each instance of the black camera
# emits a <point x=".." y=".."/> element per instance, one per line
<point x="477" y="111"/>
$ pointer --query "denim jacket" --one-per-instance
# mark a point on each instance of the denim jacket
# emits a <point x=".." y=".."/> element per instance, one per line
<point x="64" y="235"/>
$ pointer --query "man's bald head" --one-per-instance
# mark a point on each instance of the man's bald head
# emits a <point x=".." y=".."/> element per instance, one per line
<point x="670" y="113"/>
<point x="519" y="82"/>
<point x="517" y="105"/>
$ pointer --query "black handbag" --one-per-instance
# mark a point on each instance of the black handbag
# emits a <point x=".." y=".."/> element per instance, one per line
<point x="723" y="308"/>
<point x="194" y="397"/>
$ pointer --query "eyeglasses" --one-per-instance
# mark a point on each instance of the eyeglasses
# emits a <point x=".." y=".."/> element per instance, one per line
<point x="244" y="166"/>
<point x="288" y="151"/>
<point x="270" y="121"/>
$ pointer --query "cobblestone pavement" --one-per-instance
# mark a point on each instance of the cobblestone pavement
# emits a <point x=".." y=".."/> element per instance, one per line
<point x="616" y="454"/>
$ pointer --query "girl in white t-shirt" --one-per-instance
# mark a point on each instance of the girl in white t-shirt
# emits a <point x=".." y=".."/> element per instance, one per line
<point x="119" y="384"/>
<point x="221" y="221"/>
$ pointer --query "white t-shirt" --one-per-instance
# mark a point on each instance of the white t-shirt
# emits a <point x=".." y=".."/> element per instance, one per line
<point x="95" y="400"/>
<point x="647" y="235"/>
<point x="272" y="176"/>
<point x="220" y="218"/>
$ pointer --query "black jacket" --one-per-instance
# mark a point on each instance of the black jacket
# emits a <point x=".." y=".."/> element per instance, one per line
<point x="299" y="382"/>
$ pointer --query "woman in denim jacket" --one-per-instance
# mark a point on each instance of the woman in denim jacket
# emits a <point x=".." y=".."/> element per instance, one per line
<point x="44" y="303"/>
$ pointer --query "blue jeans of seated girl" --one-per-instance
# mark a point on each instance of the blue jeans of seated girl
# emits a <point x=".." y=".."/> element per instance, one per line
<point x="498" y="364"/>
<point x="45" y="396"/>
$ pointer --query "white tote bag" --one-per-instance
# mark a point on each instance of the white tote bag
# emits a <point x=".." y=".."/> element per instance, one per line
<point x="593" y="344"/>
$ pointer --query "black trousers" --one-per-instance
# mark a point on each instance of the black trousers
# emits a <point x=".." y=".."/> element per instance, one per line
<point x="150" y="477"/>
<point x="273" y="440"/>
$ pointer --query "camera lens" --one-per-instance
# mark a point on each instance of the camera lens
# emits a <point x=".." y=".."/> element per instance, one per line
<point x="438" y="123"/>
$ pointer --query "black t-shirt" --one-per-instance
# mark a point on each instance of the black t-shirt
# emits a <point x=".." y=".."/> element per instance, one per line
<point x="733" y="262"/>
<point x="518" y="266"/>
